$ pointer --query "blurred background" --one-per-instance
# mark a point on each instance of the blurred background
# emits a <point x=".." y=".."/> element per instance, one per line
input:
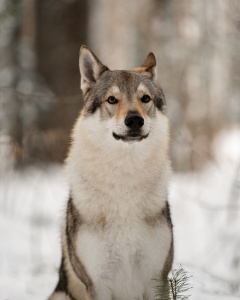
<point x="197" y="46"/>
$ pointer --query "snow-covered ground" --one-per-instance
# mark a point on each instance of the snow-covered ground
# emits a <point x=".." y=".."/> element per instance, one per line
<point x="205" y="211"/>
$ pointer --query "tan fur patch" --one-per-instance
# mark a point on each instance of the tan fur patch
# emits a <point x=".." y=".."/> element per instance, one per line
<point x="83" y="112"/>
<point x="139" y="108"/>
<point x="122" y="110"/>
<point x="140" y="69"/>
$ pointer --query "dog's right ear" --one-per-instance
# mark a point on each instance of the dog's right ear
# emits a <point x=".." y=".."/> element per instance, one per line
<point x="90" y="69"/>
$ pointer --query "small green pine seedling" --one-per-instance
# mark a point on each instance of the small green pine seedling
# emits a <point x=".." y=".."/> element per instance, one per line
<point x="174" y="287"/>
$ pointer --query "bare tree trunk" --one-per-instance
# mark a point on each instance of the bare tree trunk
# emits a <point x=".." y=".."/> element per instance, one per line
<point x="10" y="121"/>
<point x="61" y="30"/>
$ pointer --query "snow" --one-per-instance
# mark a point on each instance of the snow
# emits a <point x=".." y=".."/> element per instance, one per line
<point x="30" y="208"/>
<point x="205" y="211"/>
<point x="206" y="215"/>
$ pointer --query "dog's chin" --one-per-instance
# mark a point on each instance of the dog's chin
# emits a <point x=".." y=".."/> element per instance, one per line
<point x="130" y="137"/>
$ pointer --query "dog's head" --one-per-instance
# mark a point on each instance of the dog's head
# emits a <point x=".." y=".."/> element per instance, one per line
<point x="128" y="106"/>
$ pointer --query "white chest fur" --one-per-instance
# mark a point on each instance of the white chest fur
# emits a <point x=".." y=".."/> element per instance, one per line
<point x="123" y="261"/>
<point x="114" y="188"/>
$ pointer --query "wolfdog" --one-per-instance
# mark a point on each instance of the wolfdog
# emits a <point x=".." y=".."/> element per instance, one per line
<point x="117" y="233"/>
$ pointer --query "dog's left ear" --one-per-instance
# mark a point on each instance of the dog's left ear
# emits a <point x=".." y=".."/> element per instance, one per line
<point x="149" y="66"/>
<point x="90" y="69"/>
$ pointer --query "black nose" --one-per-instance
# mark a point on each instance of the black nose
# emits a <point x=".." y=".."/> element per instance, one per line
<point x="134" y="121"/>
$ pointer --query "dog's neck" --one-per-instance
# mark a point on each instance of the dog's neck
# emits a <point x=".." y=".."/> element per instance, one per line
<point x="113" y="169"/>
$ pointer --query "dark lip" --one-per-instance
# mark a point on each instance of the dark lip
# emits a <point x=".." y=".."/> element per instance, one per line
<point x="130" y="137"/>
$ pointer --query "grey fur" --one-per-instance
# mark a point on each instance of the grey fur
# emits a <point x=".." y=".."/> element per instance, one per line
<point x="127" y="81"/>
<point x="74" y="221"/>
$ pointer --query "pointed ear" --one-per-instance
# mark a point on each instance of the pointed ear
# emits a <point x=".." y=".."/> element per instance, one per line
<point x="90" y="69"/>
<point x="149" y="66"/>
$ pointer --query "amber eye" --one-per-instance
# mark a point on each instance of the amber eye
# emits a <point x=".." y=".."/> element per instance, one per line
<point x="145" y="99"/>
<point x="112" y="100"/>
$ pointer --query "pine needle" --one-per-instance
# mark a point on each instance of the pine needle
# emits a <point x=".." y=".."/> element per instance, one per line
<point x="174" y="287"/>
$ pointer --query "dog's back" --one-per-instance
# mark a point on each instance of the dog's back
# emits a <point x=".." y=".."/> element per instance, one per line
<point x="117" y="236"/>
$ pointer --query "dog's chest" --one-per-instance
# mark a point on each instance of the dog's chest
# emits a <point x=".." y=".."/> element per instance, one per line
<point x="130" y="254"/>
<point x="121" y="251"/>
